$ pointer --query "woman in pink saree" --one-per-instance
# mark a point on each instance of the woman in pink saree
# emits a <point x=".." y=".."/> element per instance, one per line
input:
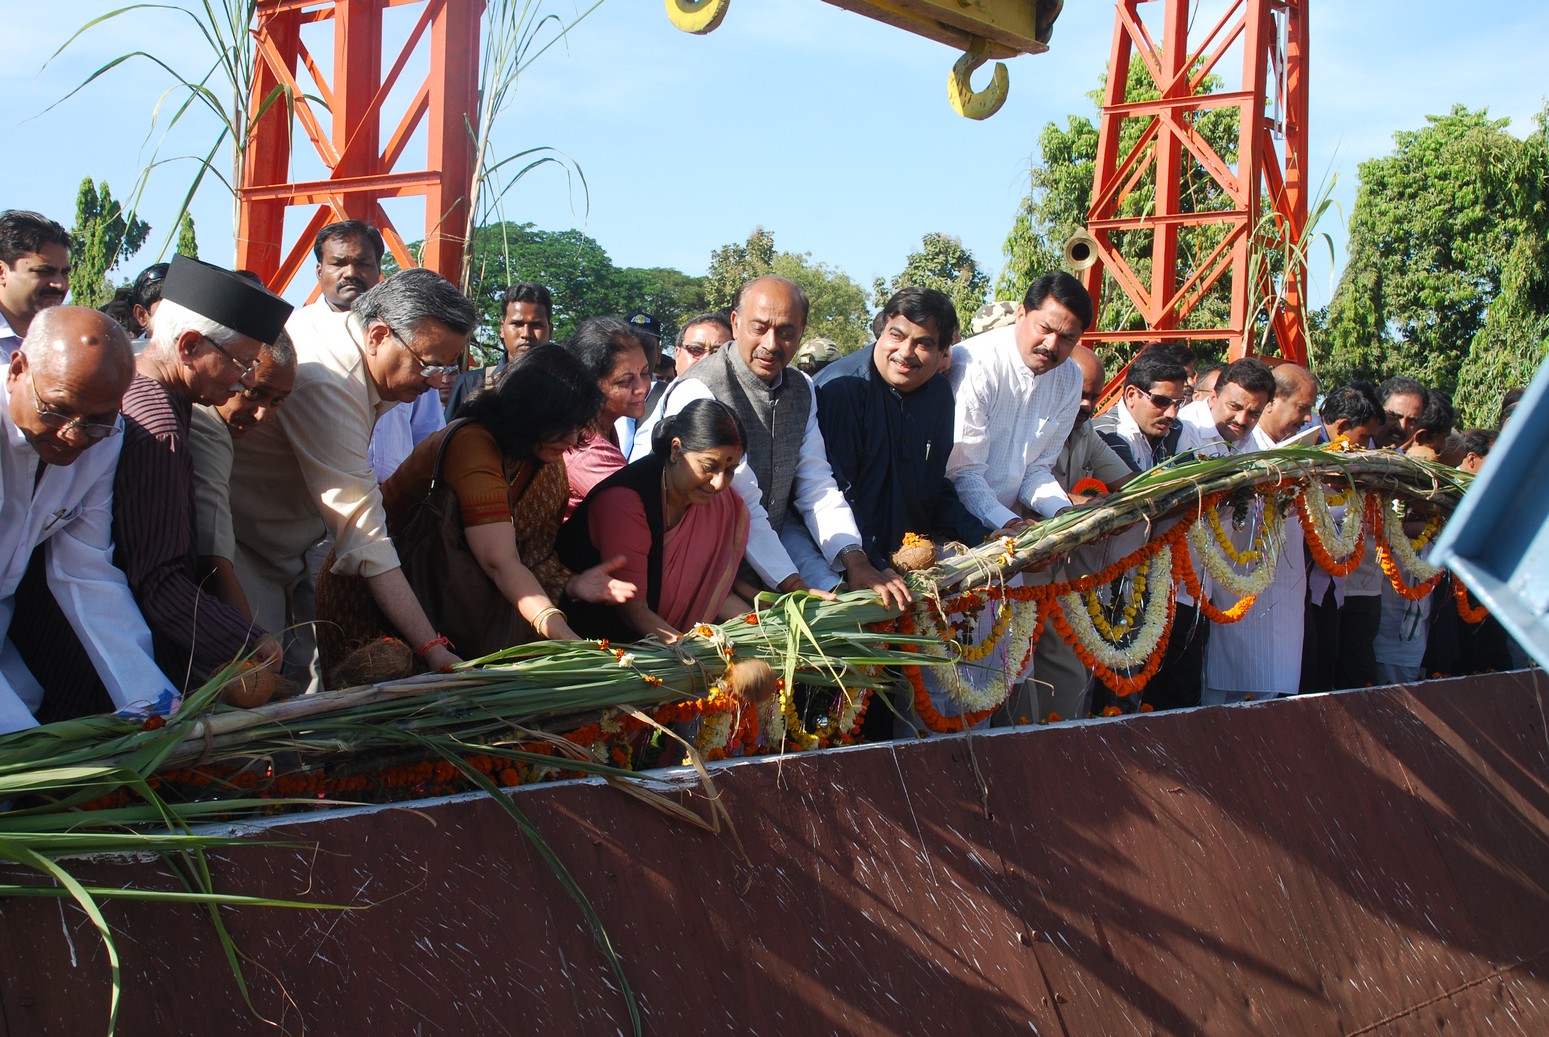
<point x="675" y="518"/>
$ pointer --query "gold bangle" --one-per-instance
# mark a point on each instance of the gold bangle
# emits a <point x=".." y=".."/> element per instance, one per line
<point x="543" y="614"/>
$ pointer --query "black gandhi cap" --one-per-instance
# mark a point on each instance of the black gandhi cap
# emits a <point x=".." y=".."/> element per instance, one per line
<point x="227" y="298"/>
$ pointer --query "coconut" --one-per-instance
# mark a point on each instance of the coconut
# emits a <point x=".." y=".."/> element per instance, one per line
<point x="751" y="680"/>
<point x="916" y="554"/>
<point x="385" y="659"/>
<point x="252" y="687"/>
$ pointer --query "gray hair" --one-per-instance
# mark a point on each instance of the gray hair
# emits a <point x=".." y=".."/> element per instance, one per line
<point x="281" y="351"/>
<point x="172" y="319"/>
<point x="410" y="297"/>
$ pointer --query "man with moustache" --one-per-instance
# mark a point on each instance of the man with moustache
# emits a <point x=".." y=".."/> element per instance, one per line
<point x="1260" y="655"/>
<point x="887" y="428"/>
<point x="60" y="411"/>
<point x="34" y="272"/>
<point x="785" y="477"/>
<point x="205" y="349"/>
<point x="1016" y="401"/>
<point x="1221" y="424"/>
<point x="213" y="435"/>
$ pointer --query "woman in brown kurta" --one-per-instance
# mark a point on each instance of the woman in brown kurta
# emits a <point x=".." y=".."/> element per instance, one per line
<point x="505" y="466"/>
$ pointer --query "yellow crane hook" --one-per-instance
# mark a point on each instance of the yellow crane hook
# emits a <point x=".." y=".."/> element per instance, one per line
<point x="966" y="101"/>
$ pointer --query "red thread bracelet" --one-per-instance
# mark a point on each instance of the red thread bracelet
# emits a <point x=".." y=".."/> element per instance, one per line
<point x="439" y="639"/>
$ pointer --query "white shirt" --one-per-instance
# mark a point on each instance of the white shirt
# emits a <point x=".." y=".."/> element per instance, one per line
<point x="307" y="472"/>
<point x="1139" y="443"/>
<point x="1008" y="427"/>
<point x="402" y="429"/>
<point x="10" y="341"/>
<point x="1200" y="432"/>
<point x="71" y="511"/>
<point x="1261" y="653"/>
<point x="814" y="494"/>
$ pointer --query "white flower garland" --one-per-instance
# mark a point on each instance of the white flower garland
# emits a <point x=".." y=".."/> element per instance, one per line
<point x="1220" y="568"/>
<point x="1415" y="569"/>
<point x="961" y="689"/>
<point x="1142" y="639"/>
<point x="1342" y="545"/>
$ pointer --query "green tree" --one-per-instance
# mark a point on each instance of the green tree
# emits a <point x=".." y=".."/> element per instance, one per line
<point x="1512" y="344"/>
<point x="579" y="273"/>
<point x="1060" y="195"/>
<point x="941" y="262"/>
<point x="1430" y="235"/>
<point x="838" y="303"/>
<point x="187" y="242"/>
<point x="732" y="266"/>
<point x="572" y="265"/>
<point x="103" y="236"/>
<point x="669" y="295"/>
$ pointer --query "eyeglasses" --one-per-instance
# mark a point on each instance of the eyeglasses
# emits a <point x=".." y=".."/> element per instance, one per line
<point x="248" y="369"/>
<point x="1161" y="402"/>
<point x="63" y="423"/>
<point x="697" y="351"/>
<point x="437" y="376"/>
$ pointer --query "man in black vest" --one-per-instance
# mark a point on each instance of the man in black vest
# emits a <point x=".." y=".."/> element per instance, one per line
<point x="785" y="477"/>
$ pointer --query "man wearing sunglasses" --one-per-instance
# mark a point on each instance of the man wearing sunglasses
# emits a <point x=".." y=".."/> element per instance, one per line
<point x="210" y="327"/>
<point x="308" y="473"/>
<point x="60" y="409"/>
<point x="1143" y="427"/>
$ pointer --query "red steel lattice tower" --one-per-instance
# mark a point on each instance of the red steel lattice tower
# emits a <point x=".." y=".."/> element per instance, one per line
<point x="348" y="129"/>
<point x="1265" y="188"/>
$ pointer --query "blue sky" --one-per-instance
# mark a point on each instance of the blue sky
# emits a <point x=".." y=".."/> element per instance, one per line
<point x="828" y="129"/>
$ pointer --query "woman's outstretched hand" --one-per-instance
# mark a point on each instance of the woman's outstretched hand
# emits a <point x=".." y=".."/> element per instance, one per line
<point x="598" y="585"/>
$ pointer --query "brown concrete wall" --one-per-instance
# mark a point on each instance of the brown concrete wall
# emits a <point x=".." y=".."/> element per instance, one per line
<point x="1367" y="863"/>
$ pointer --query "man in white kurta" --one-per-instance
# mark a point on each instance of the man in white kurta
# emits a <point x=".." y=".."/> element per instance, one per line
<point x="1016" y="393"/>
<point x="1016" y="397"/>
<point x="309" y="472"/>
<point x="1260" y="655"/>
<point x="60" y="397"/>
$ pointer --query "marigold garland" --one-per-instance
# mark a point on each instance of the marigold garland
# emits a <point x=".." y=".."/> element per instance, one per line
<point x="1338" y="554"/>
<point x="1399" y="562"/>
<point x="1468" y="613"/>
<point x="1184" y="568"/>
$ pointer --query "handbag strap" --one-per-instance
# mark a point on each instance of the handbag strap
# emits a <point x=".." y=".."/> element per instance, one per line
<point x="446" y="439"/>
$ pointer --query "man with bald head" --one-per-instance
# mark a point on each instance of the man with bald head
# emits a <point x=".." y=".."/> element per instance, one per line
<point x="785" y="477"/>
<point x="60" y="410"/>
<point x="1260" y="655"/>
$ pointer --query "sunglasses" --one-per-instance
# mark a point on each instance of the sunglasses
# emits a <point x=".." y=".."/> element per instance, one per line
<point x="697" y="351"/>
<point x="1161" y="402"/>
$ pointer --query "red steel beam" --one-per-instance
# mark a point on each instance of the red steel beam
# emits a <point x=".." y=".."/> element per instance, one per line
<point x="1267" y="177"/>
<point x="348" y="139"/>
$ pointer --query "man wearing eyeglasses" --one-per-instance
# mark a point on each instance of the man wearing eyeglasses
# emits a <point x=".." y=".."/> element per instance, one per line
<point x="210" y="328"/>
<point x="60" y="411"/>
<point x="309" y="472"/>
